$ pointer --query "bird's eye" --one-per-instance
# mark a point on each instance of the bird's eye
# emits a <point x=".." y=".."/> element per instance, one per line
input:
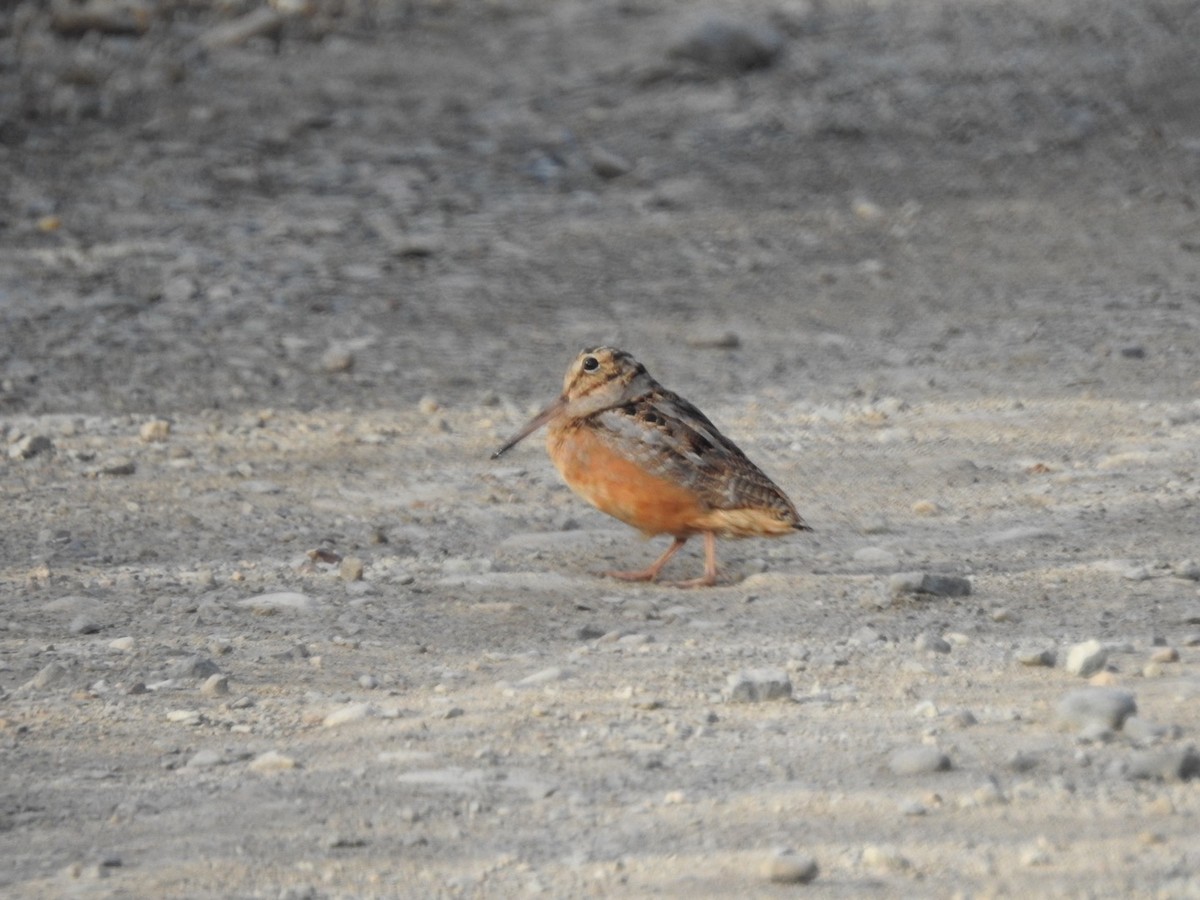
<point x="590" y="364"/>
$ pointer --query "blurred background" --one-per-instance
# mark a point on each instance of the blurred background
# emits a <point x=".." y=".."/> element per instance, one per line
<point x="370" y="202"/>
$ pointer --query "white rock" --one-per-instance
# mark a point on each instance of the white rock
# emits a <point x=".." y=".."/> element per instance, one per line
<point x="545" y="676"/>
<point x="353" y="712"/>
<point x="1087" y="658"/>
<point x="790" y="867"/>
<point x="279" y="601"/>
<point x="918" y="761"/>
<point x="272" y="761"/>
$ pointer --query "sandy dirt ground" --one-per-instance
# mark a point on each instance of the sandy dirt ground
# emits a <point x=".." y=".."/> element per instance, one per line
<point x="274" y="283"/>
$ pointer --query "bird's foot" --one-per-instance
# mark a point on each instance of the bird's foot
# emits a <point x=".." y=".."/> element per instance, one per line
<point x="650" y="574"/>
<point x="703" y="581"/>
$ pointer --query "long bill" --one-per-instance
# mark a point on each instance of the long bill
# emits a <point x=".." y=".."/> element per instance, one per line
<point x="534" y="424"/>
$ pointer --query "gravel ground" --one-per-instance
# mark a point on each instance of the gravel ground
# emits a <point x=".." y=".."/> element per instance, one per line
<point x="273" y="284"/>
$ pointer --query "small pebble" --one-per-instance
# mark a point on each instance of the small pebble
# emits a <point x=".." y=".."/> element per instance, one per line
<point x="931" y="643"/>
<point x="272" y="761"/>
<point x="607" y="164"/>
<point x="1092" y="705"/>
<point x="155" y="431"/>
<point x="929" y="583"/>
<point x="925" y="508"/>
<point x="351" y="569"/>
<point x="1038" y="854"/>
<point x="988" y="794"/>
<point x="1169" y="764"/>
<point x="29" y="445"/>
<point x="1165" y="655"/>
<point x="278" y="601"/>
<point x="720" y="340"/>
<point x="193" y="667"/>
<point x="337" y="359"/>
<point x="353" y="712"/>
<point x="884" y="859"/>
<point x="1189" y="569"/>
<point x="790" y="867"/>
<point x="758" y="685"/>
<point x="1021" y="761"/>
<point x="206" y="759"/>
<point x="545" y="676"/>
<point x="1036" y="655"/>
<point x="727" y="45"/>
<point x="48" y="676"/>
<point x="1087" y="658"/>
<point x="84" y="624"/>
<point x="215" y="685"/>
<point x="121" y="644"/>
<point x="117" y="467"/>
<point x="918" y="761"/>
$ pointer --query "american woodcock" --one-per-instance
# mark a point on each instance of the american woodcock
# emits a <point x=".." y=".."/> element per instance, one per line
<point x="646" y="456"/>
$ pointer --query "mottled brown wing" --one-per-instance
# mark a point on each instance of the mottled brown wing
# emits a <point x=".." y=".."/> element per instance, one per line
<point x="672" y="439"/>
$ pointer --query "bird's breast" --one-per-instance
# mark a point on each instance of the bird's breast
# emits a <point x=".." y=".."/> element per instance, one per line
<point x="618" y="485"/>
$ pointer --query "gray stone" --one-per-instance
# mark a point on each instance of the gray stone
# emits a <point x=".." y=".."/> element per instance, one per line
<point x="193" y="667"/>
<point x="1021" y="761"/>
<point x="216" y="685"/>
<point x="206" y="759"/>
<point x="351" y="569"/>
<point x="790" y="867"/>
<point x="929" y="583"/>
<point x="931" y="643"/>
<point x="279" y="601"/>
<point x="757" y="685"/>
<point x="1087" y="658"/>
<point x="28" y="446"/>
<point x="84" y="624"/>
<point x="1188" y="568"/>
<point x="1171" y="764"/>
<point x="120" y="466"/>
<point x="884" y="859"/>
<point x="337" y="359"/>
<point x="545" y="676"/>
<point x="608" y="165"/>
<point x="1036" y="655"/>
<point x="354" y="712"/>
<point x="728" y="45"/>
<point x="918" y="761"/>
<point x="48" y="676"/>
<point x="1087" y="706"/>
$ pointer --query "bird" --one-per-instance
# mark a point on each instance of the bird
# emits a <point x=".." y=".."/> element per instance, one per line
<point x="648" y="457"/>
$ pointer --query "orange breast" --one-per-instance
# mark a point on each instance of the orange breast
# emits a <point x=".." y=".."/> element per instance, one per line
<point x="621" y="488"/>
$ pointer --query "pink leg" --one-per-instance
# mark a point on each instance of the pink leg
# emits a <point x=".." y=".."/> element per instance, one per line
<point x="710" y="565"/>
<point x="650" y="573"/>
